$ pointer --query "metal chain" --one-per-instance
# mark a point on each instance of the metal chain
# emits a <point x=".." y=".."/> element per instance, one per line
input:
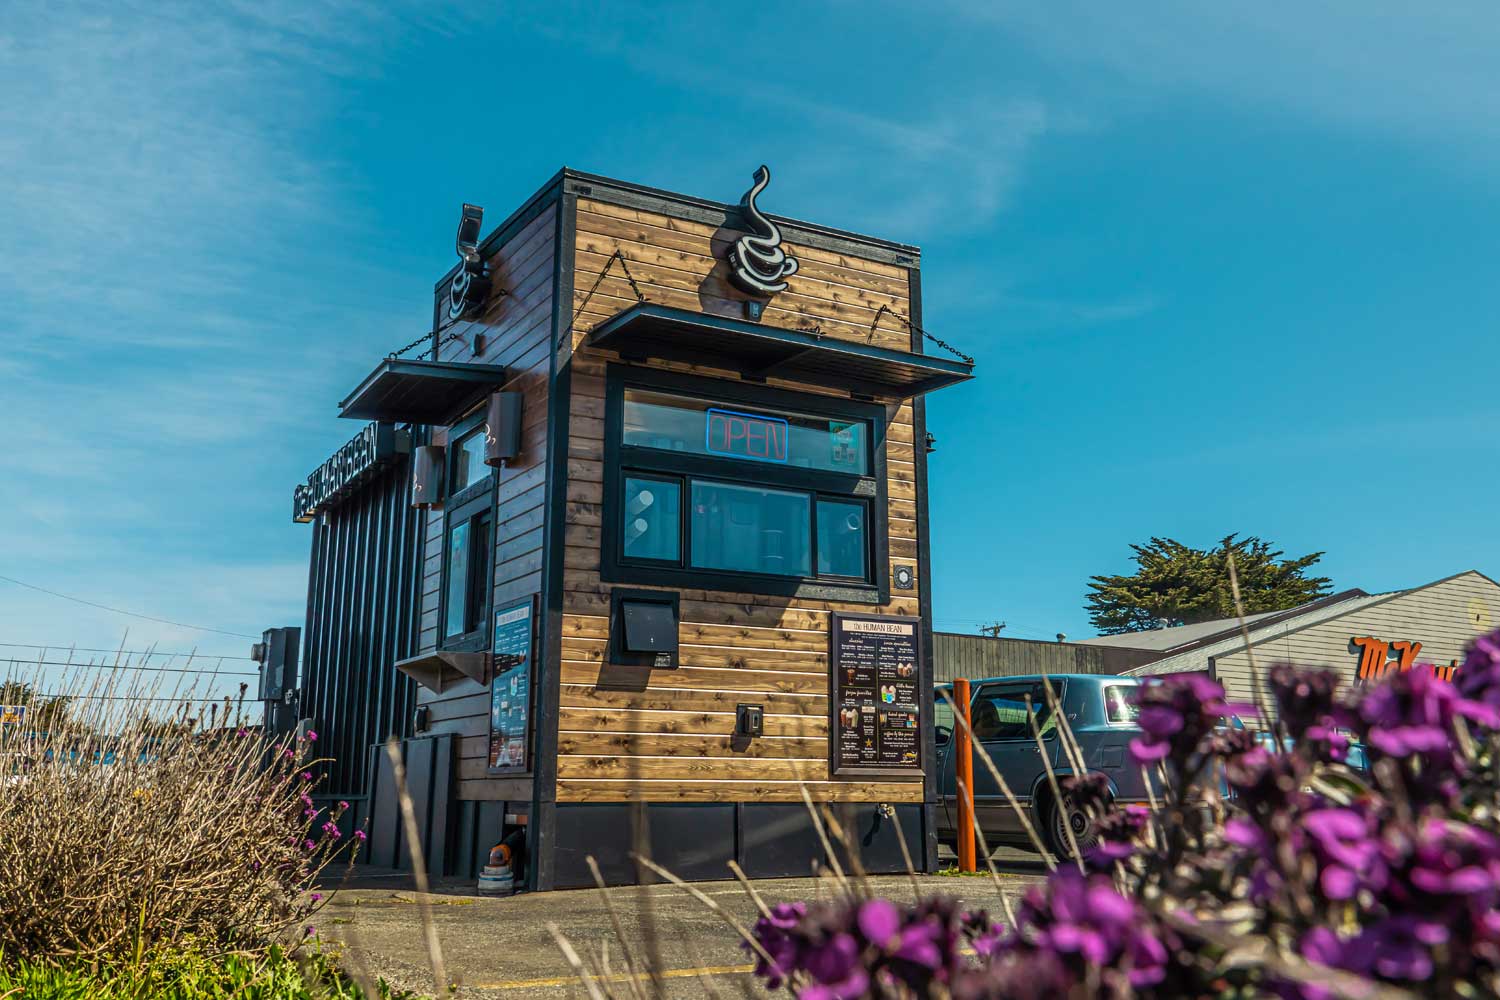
<point x="603" y="272"/>
<point x="414" y="343"/>
<point x="884" y="309"/>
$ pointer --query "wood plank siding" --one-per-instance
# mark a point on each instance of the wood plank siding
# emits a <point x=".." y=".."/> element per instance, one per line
<point x="665" y="737"/>
<point x="1443" y="617"/>
<point x="516" y="328"/>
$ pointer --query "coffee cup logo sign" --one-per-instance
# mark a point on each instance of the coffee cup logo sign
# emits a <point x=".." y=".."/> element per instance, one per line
<point x="1378" y="658"/>
<point x="471" y="285"/>
<point x="757" y="264"/>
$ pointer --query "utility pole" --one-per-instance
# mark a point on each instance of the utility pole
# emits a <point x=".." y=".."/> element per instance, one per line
<point x="993" y="631"/>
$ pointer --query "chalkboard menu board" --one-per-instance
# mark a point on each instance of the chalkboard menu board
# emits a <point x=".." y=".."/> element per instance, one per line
<point x="510" y="691"/>
<point x="877" y="695"/>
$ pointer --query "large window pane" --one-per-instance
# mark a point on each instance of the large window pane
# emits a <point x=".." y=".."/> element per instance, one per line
<point x="653" y="519"/>
<point x="467" y="460"/>
<point x="726" y="430"/>
<point x="751" y="530"/>
<point x="458" y="580"/>
<point x="841" y="538"/>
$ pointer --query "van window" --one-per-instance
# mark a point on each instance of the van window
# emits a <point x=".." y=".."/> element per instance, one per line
<point x="1118" y="706"/>
<point x="999" y="712"/>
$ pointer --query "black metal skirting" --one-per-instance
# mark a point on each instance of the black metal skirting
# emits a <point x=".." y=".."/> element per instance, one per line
<point x="696" y="841"/>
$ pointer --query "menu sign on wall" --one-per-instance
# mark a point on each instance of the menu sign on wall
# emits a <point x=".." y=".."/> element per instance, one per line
<point x="510" y="691"/>
<point x="877" y="691"/>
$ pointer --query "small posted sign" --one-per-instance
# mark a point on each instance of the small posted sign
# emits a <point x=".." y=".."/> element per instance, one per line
<point x="12" y="715"/>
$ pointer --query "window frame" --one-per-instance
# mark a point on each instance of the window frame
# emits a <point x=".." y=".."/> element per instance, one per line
<point x="638" y="461"/>
<point x="475" y="499"/>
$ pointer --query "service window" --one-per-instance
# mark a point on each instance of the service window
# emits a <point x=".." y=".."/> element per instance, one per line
<point x="726" y="486"/>
<point x="468" y="539"/>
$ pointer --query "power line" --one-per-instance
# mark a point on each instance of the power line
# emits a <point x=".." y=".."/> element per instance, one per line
<point x="119" y="611"/>
<point x="211" y="671"/>
<point x="60" y="646"/>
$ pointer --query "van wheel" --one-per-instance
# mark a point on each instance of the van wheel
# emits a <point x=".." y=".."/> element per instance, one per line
<point x="1059" y="820"/>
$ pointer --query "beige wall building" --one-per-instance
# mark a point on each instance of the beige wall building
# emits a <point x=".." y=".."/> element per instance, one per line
<point x="1358" y="634"/>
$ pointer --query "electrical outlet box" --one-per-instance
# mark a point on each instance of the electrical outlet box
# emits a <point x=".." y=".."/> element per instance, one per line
<point x="749" y="720"/>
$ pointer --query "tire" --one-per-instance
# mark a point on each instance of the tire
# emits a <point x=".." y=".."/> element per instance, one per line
<point x="1085" y="830"/>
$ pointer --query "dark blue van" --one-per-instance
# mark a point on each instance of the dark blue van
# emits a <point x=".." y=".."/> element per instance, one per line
<point x="1099" y="711"/>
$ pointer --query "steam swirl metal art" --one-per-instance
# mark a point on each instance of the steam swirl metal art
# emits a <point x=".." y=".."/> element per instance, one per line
<point x="757" y="264"/>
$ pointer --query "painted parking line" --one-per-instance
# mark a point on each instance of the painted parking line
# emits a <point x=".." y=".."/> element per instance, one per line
<point x="619" y="977"/>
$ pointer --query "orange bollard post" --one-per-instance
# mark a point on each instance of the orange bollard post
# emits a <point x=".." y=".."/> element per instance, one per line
<point x="963" y="768"/>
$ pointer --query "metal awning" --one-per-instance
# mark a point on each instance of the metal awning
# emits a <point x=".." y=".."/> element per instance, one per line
<point x="421" y="392"/>
<point x="663" y="333"/>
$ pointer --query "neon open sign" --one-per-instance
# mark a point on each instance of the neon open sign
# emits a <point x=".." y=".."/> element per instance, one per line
<point x="746" y="435"/>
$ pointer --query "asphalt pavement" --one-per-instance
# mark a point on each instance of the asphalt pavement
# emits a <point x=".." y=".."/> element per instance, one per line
<point x="502" y="948"/>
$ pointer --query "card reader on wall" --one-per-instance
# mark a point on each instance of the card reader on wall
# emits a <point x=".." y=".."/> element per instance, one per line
<point x="643" y="627"/>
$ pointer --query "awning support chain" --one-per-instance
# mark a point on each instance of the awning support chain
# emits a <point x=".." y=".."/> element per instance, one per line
<point x="912" y="326"/>
<point x="444" y="341"/>
<point x="618" y="255"/>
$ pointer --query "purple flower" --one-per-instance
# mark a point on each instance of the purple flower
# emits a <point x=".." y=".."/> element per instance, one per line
<point x="879" y="921"/>
<point x="835" y="968"/>
<point x="1346" y="846"/>
<point x="312" y="737"/>
<point x="308" y="845"/>
<point x="1304" y="698"/>
<point x="1085" y="922"/>
<point x="360" y="836"/>
<point x="315" y="897"/>
<point x="1457" y="860"/>
<point x="778" y="935"/>
<point x="1412" y="713"/>
<point x="331" y="829"/>
<point x="307" y="776"/>
<point x="1478" y="679"/>
<point x="1177" y="712"/>
<point x="343" y="806"/>
<point x="1119" y="830"/>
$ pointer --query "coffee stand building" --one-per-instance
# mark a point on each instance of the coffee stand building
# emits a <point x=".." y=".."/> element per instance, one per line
<point x="637" y="536"/>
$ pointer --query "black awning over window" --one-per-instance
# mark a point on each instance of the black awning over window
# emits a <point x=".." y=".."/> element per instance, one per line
<point x="421" y="392"/>
<point x="663" y="333"/>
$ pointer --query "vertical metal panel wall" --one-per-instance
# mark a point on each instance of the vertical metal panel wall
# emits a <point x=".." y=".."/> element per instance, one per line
<point x="361" y="600"/>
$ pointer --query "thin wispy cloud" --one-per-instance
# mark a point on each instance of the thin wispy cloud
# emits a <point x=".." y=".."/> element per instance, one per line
<point x="1408" y="71"/>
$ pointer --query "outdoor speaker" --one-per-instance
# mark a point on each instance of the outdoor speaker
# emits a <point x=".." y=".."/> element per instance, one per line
<point x="502" y="440"/>
<point x="427" y="475"/>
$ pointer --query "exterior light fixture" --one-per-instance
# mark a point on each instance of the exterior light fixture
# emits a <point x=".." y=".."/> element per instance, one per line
<point x="502" y="428"/>
<point x="427" y="476"/>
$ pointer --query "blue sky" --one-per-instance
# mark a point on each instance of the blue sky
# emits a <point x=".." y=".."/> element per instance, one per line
<point x="1224" y="267"/>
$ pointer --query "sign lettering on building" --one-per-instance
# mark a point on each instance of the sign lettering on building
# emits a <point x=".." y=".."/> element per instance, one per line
<point x="1378" y="657"/>
<point x="345" y="469"/>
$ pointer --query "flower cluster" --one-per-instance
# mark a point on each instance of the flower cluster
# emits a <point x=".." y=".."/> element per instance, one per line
<point x="1342" y="877"/>
<point x="1176" y="714"/>
<point x="868" y="947"/>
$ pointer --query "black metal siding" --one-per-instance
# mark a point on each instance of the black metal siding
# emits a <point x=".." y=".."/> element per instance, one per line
<point x="361" y="619"/>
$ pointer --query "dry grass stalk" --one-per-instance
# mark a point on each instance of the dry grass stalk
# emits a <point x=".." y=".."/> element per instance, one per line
<point x="418" y="868"/>
<point x="1004" y="786"/>
<point x="614" y="922"/>
<point x="124" y="830"/>
<point x="1057" y="795"/>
